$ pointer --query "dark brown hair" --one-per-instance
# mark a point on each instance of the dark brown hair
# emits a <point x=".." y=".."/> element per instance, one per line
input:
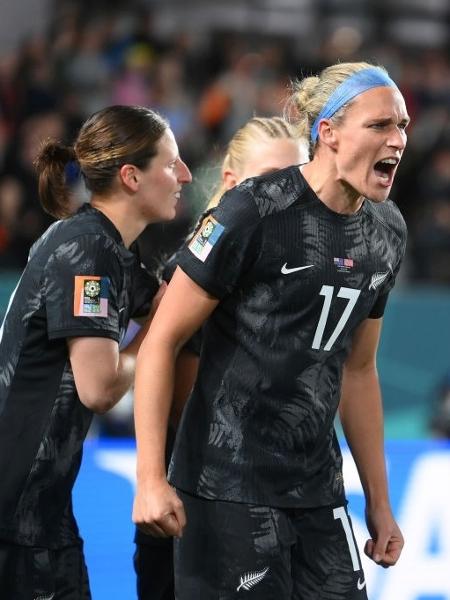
<point x="110" y="138"/>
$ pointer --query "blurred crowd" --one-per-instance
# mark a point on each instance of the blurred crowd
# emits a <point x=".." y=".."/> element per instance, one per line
<point x="207" y="85"/>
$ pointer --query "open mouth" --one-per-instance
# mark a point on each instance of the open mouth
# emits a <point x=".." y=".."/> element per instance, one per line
<point x="385" y="169"/>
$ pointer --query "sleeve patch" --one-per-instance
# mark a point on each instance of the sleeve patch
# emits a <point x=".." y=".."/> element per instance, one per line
<point x="90" y="296"/>
<point x="203" y="241"/>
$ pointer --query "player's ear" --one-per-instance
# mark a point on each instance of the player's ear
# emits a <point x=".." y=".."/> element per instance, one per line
<point x="230" y="179"/>
<point x="327" y="133"/>
<point x="129" y="177"/>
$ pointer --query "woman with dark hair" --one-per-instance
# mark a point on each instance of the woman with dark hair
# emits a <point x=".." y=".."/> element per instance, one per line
<point x="60" y="355"/>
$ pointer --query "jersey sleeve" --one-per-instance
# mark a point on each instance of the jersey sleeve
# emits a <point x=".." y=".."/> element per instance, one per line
<point x="380" y="304"/>
<point x="82" y="284"/>
<point x="224" y="246"/>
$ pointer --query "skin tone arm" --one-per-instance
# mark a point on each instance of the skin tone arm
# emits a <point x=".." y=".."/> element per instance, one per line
<point x="186" y="370"/>
<point x="157" y="509"/>
<point x="361" y="415"/>
<point x="102" y="373"/>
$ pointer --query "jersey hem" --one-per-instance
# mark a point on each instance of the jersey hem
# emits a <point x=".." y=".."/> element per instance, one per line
<point x="259" y="500"/>
<point x="64" y="333"/>
<point x="205" y="285"/>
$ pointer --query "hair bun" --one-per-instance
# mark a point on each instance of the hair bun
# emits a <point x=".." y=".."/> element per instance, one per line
<point x="53" y="151"/>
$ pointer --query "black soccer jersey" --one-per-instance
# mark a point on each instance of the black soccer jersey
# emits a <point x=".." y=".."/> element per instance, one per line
<point x="78" y="282"/>
<point x="294" y="280"/>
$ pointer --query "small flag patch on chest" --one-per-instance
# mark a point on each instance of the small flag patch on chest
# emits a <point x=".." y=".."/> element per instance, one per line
<point x="90" y="296"/>
<point x="203" y="241"/>
<point x="343" y="264"/>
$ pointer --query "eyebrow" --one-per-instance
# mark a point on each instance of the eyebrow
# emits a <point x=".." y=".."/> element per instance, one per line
<point x="387" y="120"/>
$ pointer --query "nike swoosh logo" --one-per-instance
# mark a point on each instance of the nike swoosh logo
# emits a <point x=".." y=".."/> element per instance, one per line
<point x="285" y="270"/>
<point x="361" y="584"/>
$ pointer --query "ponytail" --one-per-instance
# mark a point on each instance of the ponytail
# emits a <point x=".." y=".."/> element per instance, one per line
<point x="50" y="166"/>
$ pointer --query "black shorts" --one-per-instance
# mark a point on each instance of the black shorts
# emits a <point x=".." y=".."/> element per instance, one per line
<point x="153" y="563"/>
<point x="30" y="573"/>
<point x="229" y="549"/>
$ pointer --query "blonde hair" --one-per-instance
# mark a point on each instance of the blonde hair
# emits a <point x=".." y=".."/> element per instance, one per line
<point x="255" y="130"/>
<point x="312" y="93"/>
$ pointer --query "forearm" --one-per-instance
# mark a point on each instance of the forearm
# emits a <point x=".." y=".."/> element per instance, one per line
<point x="118" y="384"/>
<point x="123" y="377"/>
<point x="361" y="414"/>
<point x="152" y="402"/>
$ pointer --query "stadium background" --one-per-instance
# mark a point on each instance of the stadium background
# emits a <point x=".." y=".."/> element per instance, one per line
<point x="208" y="66"/>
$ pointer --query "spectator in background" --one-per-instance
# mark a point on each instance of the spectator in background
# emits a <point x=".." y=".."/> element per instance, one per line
<point x="75" y="63"/>
<point x="18" y="164"/>
<point x="261" y="146"/>
<point x="283" y="271"/>
<point x="60" y="360"/>
<point x="13" y="244"/>
<point x="431" y="248"/>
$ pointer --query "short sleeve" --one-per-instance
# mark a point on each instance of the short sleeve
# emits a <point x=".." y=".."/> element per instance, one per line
<point x="380" y="304"/>
<point x="224" y="246"/>
<point x="82" y="284"/>
<point x="378" y="308"/>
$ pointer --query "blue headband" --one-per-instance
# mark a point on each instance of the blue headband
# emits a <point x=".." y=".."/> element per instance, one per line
<point x="356" y="84"/>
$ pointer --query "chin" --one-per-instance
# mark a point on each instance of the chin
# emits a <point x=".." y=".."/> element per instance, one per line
<point x="170" y="215"/>
<point x="378" y="196"/>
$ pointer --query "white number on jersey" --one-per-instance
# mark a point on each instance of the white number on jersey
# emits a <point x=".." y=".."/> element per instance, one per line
<point x="327" y="290"/>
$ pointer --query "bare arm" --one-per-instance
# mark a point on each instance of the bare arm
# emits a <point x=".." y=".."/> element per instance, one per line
<point x="185" y="306"/>
<point x="102" y="373"/>
<point x="361" y="415"/>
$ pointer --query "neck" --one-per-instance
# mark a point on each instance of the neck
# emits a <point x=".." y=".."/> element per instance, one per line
<point x="322" y="177"/>
<point x="117" y="210"/>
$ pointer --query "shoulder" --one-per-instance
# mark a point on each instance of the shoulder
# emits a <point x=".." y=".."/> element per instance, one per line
<point x="81" y="234"/>
<point x="74" y="246"/>
<point x="388" y="214"/>
<point x="273" y="192"/>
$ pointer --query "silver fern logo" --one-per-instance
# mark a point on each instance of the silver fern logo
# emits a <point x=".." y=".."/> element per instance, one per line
<point x="377" y="279"/>
<point x="249" y="580"/>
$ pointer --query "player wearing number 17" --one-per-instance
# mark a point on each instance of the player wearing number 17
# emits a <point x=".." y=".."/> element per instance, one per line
<point x="294" y="277"/>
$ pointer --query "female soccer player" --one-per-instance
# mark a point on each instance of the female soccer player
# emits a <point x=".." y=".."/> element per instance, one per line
<point x="59" y="344"/>
<point x="263" y="145"/>
<point x="293" y="278"/>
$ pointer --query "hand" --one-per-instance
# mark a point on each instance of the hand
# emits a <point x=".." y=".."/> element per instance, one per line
<point x="159" y="512"/>
<point x="387" y="541"/>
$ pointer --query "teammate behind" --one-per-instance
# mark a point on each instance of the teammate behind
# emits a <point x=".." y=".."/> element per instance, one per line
<point x="59" y="343"/>
<point x="293" y="294"/>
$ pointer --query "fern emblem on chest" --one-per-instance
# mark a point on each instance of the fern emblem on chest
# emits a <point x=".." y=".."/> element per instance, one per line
<point x="249" y="580"/>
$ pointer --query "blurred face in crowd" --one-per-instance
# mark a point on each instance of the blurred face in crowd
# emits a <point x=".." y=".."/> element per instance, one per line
<point x="369" y="142"/>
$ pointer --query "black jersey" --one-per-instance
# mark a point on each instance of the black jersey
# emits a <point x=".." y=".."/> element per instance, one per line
<point x="294" y="280"/>
<point x="78" y="282"/>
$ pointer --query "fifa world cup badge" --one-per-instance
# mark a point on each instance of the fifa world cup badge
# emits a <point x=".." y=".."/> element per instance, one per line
<point x="90" y="296"/>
